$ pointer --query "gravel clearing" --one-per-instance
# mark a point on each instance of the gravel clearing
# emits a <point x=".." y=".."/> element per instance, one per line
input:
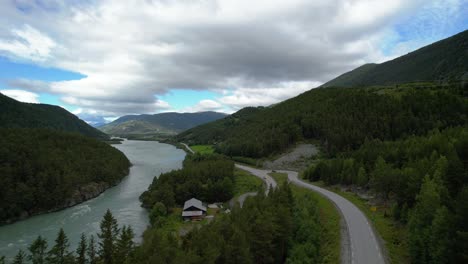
<point x="297" y="159"/>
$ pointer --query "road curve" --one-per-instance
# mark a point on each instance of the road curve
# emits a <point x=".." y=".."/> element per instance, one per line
<point x="241" y="199"/>
<point x="188" y="148"/>
<point x="363" y="245"/>
<point x="262" y="174"/>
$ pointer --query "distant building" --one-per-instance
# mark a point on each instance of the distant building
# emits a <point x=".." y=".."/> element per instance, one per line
<point x="193" y="210"/>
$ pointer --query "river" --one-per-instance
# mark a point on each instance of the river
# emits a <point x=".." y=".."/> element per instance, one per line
<point x="149" y="159"/>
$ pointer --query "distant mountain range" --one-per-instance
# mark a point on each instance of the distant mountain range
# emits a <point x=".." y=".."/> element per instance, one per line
<point x="15" y="114"/>
<point x="442" y="61"/>
<point x="163" y="123"/>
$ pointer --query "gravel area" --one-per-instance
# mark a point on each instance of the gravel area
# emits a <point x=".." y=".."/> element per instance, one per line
<point x="297" y="159"/>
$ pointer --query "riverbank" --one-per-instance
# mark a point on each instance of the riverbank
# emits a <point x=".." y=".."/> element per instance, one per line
<point x="149" y="159"/>
<point x="81" y="195"/>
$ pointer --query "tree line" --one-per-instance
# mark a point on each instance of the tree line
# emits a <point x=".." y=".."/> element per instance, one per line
<point x="277" y="228"/>
<point x="43" y="169"/>
<point x="17" y="114"/>
<point x="209" y="178"/>
<point x="114" y="245"/>
<point x="426" y="180"/>
<point x="341" y="118"/>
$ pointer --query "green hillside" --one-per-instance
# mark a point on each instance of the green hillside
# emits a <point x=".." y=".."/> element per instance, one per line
<point x="442" y="61"/>
<point x="405" y="145"/>
<point x="50" y="159"/>
<point x="16" y="114"/>
<point x="340" y="118"/>
<point x="43" y="170"/>
<point x="163" y="123"/>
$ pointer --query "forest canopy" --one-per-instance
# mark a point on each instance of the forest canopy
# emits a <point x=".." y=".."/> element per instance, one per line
<point x="341" y="118"/>
<point x="44" y="170"/>
<point x="209" y="178"/>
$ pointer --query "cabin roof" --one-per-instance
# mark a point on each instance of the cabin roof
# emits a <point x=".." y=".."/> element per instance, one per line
<point x="194" y="203"/>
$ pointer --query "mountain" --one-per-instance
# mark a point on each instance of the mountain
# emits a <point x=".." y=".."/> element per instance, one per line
<point x="341" y="118"/>
<point x="43" y="170"/>
<point x="445" y="60"/>
<point x="16" y="114"/>
<point x="163" y="123"/>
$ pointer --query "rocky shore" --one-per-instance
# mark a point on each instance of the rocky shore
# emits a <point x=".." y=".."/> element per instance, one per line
<point x="82" y="194"/>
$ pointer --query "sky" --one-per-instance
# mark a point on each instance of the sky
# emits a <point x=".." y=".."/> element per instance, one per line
<point x="101" y="59"/>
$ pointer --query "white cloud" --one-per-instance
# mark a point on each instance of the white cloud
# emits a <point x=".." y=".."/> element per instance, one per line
<point x="28" y="43"/>
<point x="243" y="97"/>
<point x="131" y="52"/>
<point x="204" y="105"/>
<point x="22" y="96"/>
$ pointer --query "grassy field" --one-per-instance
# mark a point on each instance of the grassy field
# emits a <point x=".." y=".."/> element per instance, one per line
<point x="245" y="182"/>
<point x="393" y="233"/>
<point x="203" y="149"/>
<point x="280" y="178"/>
<point x="329" y="218"/>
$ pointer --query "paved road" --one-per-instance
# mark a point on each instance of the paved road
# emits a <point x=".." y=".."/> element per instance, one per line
<point x="188" y="148"/>
<point x="262" y="174"/>
<point x="363" y="245"/>
<point x="269" y="181"/>
<point x="241" y="199"/>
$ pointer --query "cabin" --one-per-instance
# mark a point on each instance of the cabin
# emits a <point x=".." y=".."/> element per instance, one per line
<point x="193" y="210"/>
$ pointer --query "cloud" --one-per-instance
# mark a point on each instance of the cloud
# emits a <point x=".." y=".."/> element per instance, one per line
<point x="22" y="96"/>
<point x="31" y="85"/>
<point x="28" y="43"/>
<point x="205" y="105"/>
<point x="131" y="52"/>
<point x="255" y="96"/>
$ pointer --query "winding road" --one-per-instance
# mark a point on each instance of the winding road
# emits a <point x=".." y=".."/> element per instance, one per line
<point x="361" y="245"/>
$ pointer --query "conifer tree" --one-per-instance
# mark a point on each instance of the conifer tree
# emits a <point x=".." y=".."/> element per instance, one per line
<point x="59" y="253"/>
<point x="237" y="249"/>
<point x="428" y="201"/>
<point x="108" y="238"/>
<point x="124" y="245"/>
<point x="91" y="251"/>
<point x="81" y="250"/>
<point x="20" y="258"/>
<point x="38" y="251"/>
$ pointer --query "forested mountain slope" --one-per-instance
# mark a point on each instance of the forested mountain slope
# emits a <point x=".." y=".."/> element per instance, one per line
<point x="168" y="123"/>
<point x="14" y="114"/>
<point x="50" y="159"/>
<point x="43" y="170"/>
<point x="445" y="60"/>
<point x="341" y="118"/>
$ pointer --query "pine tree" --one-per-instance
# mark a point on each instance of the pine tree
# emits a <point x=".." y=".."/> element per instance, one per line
<point x="38" y="251"/>
<point x="237" y="249"/>
<point x="59" y="253"/>
<point x="81" y="250"/>
<point x="440" y="238"/>
<point x="20" y="258"/>
<point x="108" y="238"/>
<point x="362" y="177"/>
<point x="124" y="245"/>
<point x="428" y="201"/>
<point x="91" y="251"/>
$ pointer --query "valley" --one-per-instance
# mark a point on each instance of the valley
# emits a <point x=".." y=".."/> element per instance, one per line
<point x="273" y="133"/>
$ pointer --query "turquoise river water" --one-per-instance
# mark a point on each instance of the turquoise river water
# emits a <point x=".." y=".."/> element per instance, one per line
<point x="149" y="159"/>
